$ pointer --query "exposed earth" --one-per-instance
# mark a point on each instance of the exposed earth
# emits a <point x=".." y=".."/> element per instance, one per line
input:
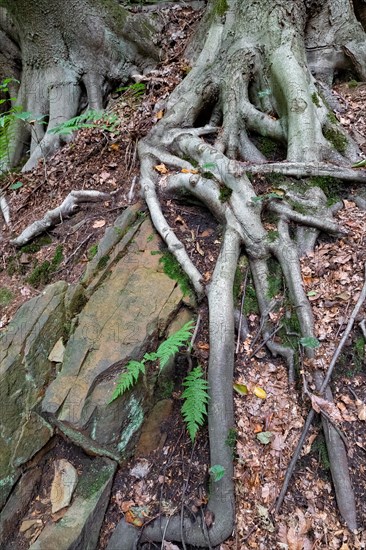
<point x="177" y="473"/>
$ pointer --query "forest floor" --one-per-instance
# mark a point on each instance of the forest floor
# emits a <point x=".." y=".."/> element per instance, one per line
<point x="270" y="416"/>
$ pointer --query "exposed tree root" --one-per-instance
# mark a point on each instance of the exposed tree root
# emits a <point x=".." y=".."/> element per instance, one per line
<point x="53" y="217"/>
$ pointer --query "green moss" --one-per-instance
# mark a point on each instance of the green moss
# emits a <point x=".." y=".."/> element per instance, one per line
<point x="352" y="83"/>
<point x="331" y="187"/>
<point x="57" y="258"/>
<point x="225" y="193"/>
<point x="336" y="138"/>
<point x="272" y="236"/>
<point x="315" y="99"/>
<point x="42" y="273"/>
<point x="173" y="269"/>
<point x="266" y="146"/>
<point x="220" y="7"/>
<point x="274" y="279"/>
<point x="332" y="118"/>
<point x="103" y="262"/>
<point x="319" y="447"/>
<point x="232" y="436"/>
<point x="165" y="388"/>
<point x="359" y="353"/>
<point x="92" y="251"/>
<point x="250" y="302"/>
<point x="237" y="283"/>
<point x="6" y="296"/>
<point x="36" y="245"/>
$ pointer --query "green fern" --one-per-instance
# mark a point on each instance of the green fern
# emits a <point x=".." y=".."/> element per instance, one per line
<point x="128" y="378"/>
<point x="89" y="119"/>
<point x="194" y="409"/>
<point x="165" y="351"/>
<point x="171" y="346"/>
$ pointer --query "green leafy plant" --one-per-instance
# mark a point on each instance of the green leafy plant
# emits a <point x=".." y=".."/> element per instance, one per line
<point x="165" y="351"/>
<point x="216" y="472"/>
<point x="89" y="119"/>
<point x="137" y="89"/>
<point x="194" y="409"/>
<point x="310" y="342"/>
<point x="195" y="396"/>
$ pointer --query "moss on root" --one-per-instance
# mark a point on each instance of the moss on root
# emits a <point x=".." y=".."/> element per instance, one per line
<point x="336" y="138"/>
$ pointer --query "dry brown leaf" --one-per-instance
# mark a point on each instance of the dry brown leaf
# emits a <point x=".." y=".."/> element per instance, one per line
<point x="161" y="168"/>
<point x="199" y="249"/>
<point x="159" y="114"/>
<point x="98" y="223"/>
<point x="189" y="171"/>
<point x="319" y="404"/>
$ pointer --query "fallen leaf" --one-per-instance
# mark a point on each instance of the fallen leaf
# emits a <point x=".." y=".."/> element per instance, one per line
<point x="241" y="389"/>
<point x="319" y="404"/>
<point x="161" y="168"/>
<point x="265" y="437"/>
<point x="199" y="249"/>
<point x="98" y="223"/>
<point x="259" y="392"/>
<point x="159" y="114"/>
<point x="189" y="171"/>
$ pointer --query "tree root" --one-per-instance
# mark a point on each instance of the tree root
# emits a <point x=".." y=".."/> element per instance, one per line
<point x="68" y="207"/>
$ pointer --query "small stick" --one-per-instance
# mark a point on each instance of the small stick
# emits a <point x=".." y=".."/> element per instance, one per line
<point x="324" y="386"/>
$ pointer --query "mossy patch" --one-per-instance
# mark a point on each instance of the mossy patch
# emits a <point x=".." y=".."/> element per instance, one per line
<point x="336" y="138"/>
<point x="250" y="302"/>
<point x="103" y="262"/>
<point x="42" y="273"/>
<point x="267" y="146"/>
<point x="6" y="296"/>
<point x="225" y="193"/>
<point x="319" y="446"/>
<point x="315" y="99"/>
<point x="36" y="245"/>
<point x="92" y="251"/>
<point x="220" y="7"/>
<point x="172" y="268"/>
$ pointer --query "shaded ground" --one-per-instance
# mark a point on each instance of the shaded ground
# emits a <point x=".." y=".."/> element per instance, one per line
<point x="333" y="276"/>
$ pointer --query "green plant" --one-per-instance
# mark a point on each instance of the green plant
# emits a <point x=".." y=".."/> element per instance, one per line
<point x="42" y="273"/>
<point x="137" y="89"/>
<point x="165" y="351"/>
<point x="353" y="83"/>
<point x="194" y="409"/>
<point x="6" y="296"/>
<point x="225" y="193"/>
<point x="172" y="268"/>
<point x="89" y="119"/>
<point x="92" y="251"/>
<point x="216" y="472"/>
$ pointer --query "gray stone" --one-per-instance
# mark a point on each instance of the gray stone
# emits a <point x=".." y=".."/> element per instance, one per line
<point x="79" y="528"/>
<point x="24" y="373"/>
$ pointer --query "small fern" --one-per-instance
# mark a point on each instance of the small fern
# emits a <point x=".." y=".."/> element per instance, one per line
<point x="128" y="378"/>
<point x="165" y="351"/>
<point x="89" y="119"/>
<point x="171" y="346"/>
<point x="194" y="409"/>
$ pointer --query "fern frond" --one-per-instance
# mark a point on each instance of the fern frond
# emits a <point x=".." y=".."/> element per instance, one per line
<point x="128" y="378"/>
<point x="194" y="409"/>
<point x="171" y="346"/>
<point x="89" y="119"/>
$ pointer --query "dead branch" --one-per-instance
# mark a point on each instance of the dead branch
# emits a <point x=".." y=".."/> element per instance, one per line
<point x="69" y="207"/>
